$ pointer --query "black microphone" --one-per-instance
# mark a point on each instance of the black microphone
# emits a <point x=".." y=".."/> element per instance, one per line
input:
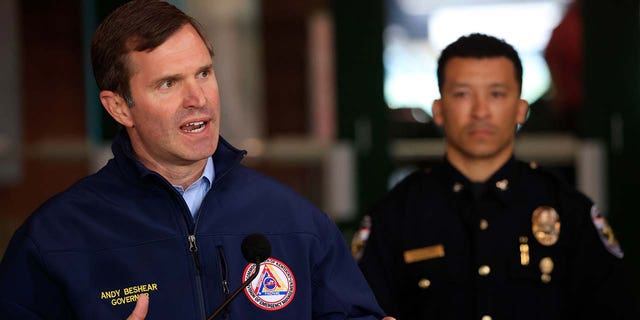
<point x="255" y="248"/>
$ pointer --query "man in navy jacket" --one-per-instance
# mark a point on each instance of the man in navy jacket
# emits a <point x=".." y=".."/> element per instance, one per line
<point x="159" y="227"/>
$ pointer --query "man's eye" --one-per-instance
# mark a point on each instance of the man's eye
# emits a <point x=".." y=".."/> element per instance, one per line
<point x="167" y="84"/>
<point x="204" y="74"/>
<point x="498" y="94"/>
<point x="460" y="94"/>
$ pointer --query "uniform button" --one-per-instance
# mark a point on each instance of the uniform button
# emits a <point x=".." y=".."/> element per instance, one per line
<point x="484" y="224"/>
<point x="424" y="283"/>
<point x="484" y="270"/>
<point x="486" y="317"/>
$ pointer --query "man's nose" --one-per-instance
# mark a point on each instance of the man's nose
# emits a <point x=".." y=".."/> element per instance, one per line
<point x="480" y="108"/>
<point x="194" y="96"/>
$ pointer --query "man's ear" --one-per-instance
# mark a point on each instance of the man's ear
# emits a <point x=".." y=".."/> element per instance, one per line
<point x="436" y="111"/>
<point x="116" y="107"/>
<point x="523" y="108"/>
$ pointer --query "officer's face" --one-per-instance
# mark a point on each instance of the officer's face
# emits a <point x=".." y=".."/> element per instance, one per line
<point x="174" y="122"/>
<point x="479" y="108"/>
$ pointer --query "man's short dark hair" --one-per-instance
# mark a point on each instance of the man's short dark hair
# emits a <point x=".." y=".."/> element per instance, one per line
<point x="137" y="25"/>
<point x="477" y="45"/>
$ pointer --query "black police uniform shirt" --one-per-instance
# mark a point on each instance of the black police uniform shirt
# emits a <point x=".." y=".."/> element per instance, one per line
<point x="523" y="245"/>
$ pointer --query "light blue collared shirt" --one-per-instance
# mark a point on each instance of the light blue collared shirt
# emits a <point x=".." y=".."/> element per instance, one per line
<point x="195" y="193"/>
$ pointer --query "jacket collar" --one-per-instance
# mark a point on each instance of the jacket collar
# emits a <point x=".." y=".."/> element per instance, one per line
<point x="499" y="184"/>
<point x="225" y="157"/>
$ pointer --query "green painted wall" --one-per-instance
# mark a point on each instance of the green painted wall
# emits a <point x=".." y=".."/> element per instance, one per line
<point x="362" y="113"/>
<point x="612" y="111"/>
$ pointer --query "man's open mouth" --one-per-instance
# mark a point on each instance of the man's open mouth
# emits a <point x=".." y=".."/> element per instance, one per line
<point x="194" y="127"/>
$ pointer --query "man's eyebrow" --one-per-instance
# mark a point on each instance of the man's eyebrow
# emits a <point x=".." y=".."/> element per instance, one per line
<point x="206" y="68"/>
<point x="457" y="85"/>
<point x="498" y="85"/>
<point x="466" y="85"/>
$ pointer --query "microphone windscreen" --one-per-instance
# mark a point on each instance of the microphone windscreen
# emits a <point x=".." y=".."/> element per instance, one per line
<point x="256" y="248"/>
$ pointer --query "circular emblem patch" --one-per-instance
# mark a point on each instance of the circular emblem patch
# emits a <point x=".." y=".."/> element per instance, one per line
<point x="273" y="288"/>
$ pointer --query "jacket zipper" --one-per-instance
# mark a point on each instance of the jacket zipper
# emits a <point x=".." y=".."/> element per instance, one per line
<point x="193" y="248"/>
<point x="224" y="277"/>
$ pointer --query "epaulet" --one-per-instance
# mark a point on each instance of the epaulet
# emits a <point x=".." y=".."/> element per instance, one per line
<point x="550" y="175"/>
<point x="559" y="183"/>
<point x="411" y="178"/>
<point x="563" y="188"/>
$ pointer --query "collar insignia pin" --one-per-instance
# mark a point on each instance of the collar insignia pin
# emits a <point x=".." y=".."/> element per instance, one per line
<point x="502" y="184"/>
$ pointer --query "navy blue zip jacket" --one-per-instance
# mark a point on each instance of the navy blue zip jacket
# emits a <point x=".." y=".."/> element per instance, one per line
<point x="88" y="252"/>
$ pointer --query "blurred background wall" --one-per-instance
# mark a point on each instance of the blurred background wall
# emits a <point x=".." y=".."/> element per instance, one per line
<point x="333" y="97"/>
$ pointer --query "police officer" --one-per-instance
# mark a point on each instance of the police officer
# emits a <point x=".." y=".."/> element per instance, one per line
<point x="483" y="235"/>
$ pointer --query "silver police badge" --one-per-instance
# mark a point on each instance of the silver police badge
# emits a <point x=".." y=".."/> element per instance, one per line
<point x="545" y="224"/>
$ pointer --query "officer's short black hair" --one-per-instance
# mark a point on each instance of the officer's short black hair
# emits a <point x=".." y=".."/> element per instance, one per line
<point x="478" y="45"/>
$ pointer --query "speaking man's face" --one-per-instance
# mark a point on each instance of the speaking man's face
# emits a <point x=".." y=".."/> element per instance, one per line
<point x="175" y="118"/>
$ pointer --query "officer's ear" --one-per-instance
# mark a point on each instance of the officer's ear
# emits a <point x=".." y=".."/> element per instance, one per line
<point x="523" y="108"/>
<point x="436" y="111"/>
<point x="117" y="107"/>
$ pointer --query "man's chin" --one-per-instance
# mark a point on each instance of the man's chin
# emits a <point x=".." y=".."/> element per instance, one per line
<point x="197" y="154"/>
<point x="482" y="152"/>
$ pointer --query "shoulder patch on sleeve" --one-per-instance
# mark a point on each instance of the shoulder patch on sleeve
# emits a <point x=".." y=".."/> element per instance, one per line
<point x="606" y="233"/>
<point x="359" y="240"/>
